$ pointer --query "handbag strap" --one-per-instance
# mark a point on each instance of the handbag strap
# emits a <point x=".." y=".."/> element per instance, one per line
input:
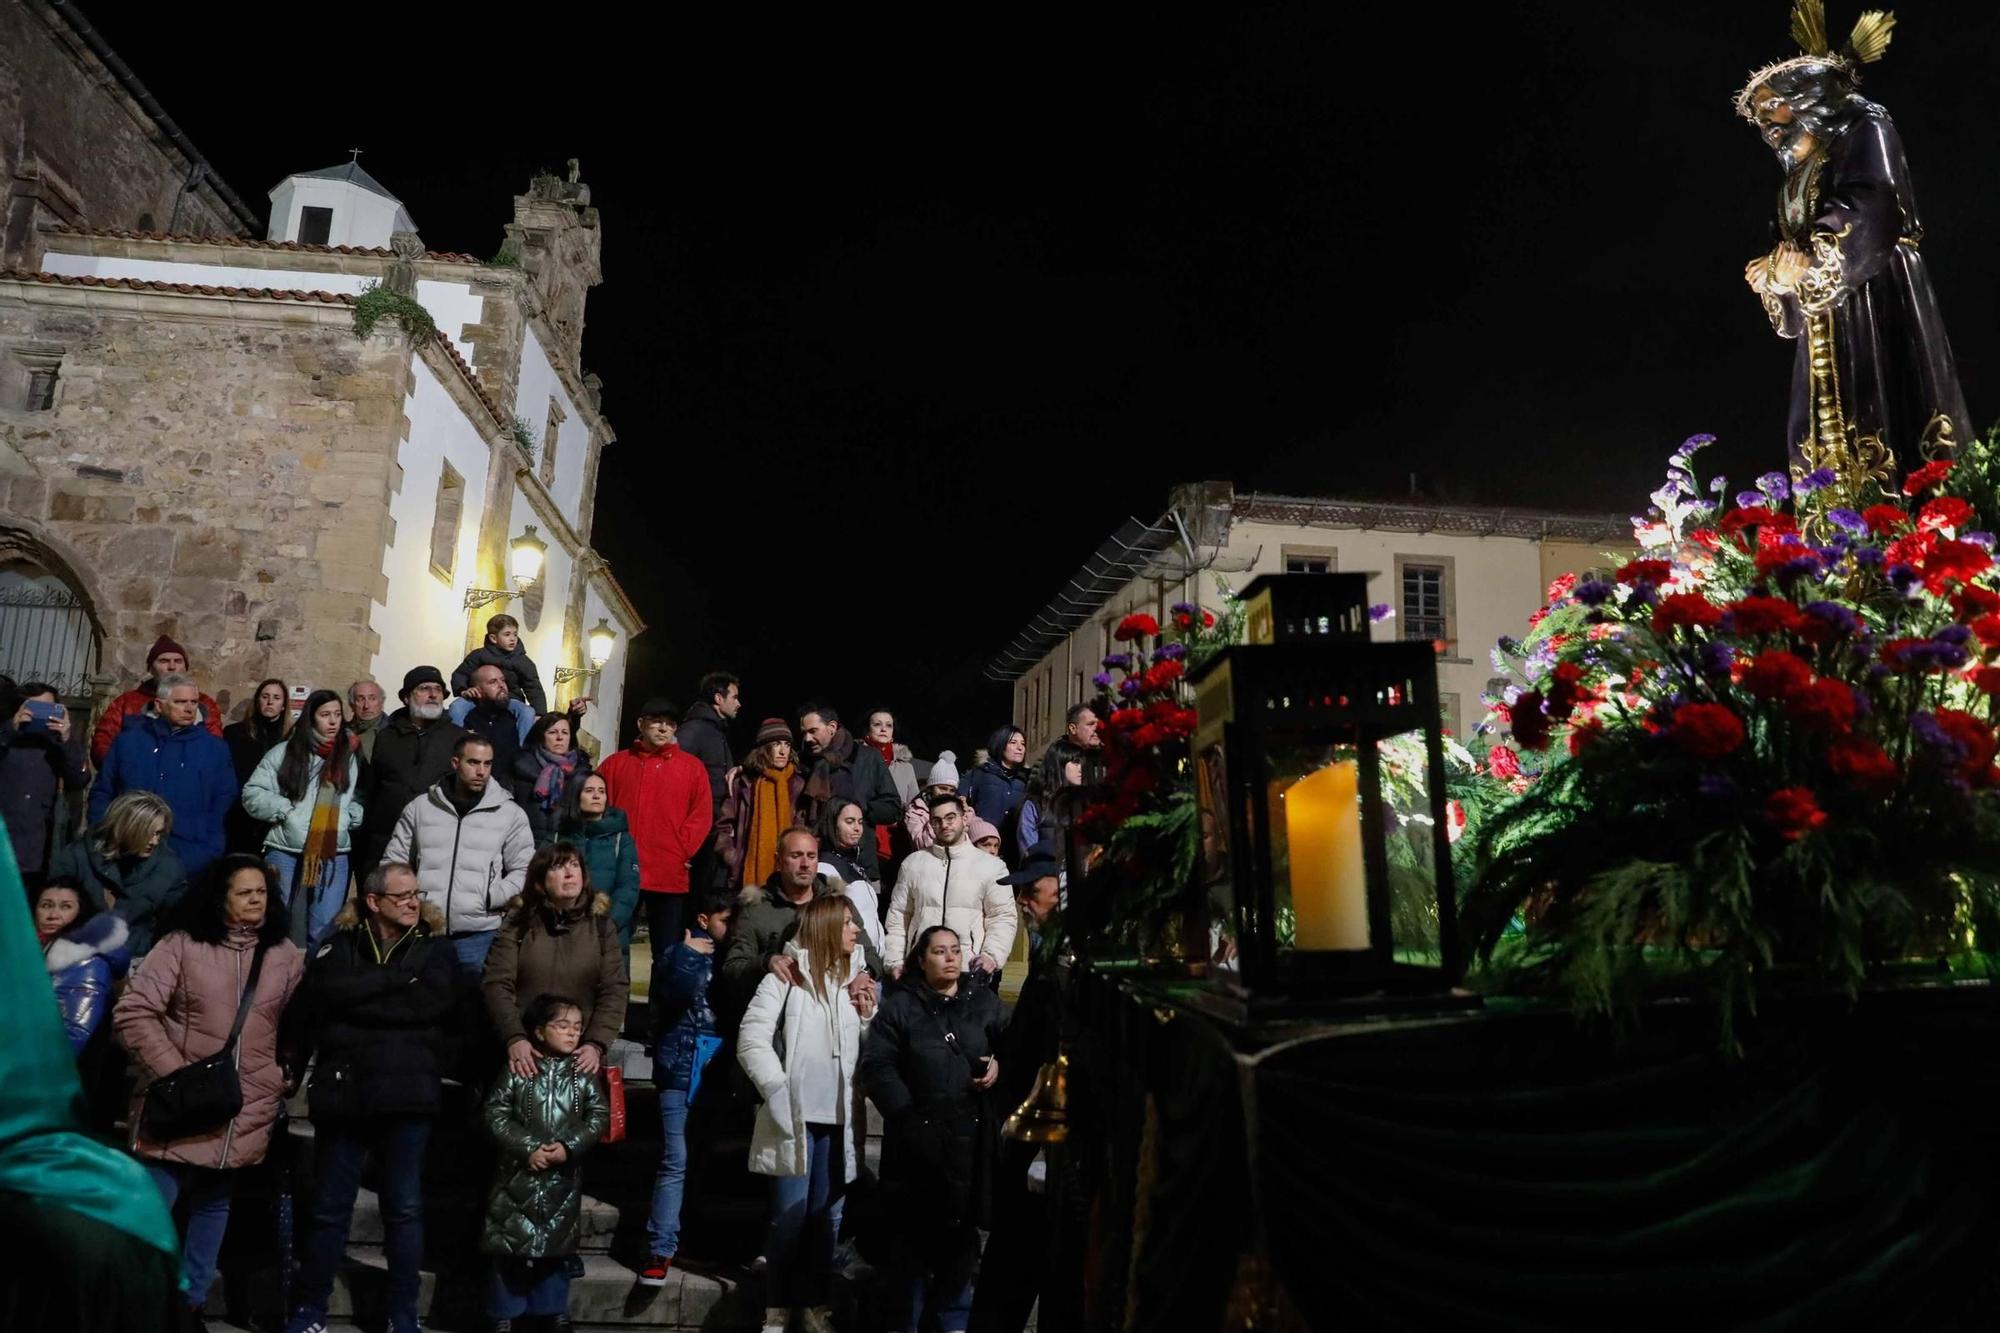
<point x="243" y="1005"/>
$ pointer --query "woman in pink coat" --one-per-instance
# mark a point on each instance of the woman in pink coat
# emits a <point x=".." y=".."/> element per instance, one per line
<point x="178" y="1008"/>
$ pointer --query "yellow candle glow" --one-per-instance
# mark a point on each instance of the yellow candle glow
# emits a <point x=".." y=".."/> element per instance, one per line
<point x="1323" y="838"/>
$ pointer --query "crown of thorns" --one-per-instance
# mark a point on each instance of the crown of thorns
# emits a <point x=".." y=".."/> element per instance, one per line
<point x="1864" y="46"/>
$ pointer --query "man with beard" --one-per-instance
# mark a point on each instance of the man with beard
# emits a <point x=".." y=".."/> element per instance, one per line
<point x="1874" y="386"/>
<point x="851" y="771"/>
<point x="413" y="749"/>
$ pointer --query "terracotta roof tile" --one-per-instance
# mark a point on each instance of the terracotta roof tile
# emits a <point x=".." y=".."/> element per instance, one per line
<point x="450" y="349"/>
<point x="183" y="288"/>
<point x="251" y="243"/>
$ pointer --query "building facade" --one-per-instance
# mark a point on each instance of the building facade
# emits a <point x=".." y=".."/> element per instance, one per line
<point x="199" y="437"/>
<point x="1459" y="576"/>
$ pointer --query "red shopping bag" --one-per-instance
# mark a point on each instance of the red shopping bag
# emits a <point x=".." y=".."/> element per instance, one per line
<point x="614" y="1088"/>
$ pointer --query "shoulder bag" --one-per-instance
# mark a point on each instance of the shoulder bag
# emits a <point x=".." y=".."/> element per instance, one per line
<point x="206" y="1094"/>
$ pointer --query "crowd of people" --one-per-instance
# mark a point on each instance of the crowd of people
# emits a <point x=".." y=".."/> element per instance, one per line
<point x="367" y="905"/>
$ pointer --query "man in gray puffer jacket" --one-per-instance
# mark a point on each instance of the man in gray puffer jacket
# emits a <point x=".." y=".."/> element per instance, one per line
<point x="471" y="846"/>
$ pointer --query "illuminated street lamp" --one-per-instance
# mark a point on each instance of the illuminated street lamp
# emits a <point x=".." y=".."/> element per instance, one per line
<point x="524" y="567"/>
<point x="602" y="639"/>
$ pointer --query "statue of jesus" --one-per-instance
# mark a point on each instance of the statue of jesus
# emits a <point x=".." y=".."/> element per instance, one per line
<point x="1874" y="377"/>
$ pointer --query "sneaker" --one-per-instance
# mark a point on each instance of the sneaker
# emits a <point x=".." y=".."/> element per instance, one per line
<point x="776" y="1319"/>
<point x="315" y="1326"/>
<point x="654" y="1274"/>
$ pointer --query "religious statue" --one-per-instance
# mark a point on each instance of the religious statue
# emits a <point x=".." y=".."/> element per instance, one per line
<point x="1874" y="375"/>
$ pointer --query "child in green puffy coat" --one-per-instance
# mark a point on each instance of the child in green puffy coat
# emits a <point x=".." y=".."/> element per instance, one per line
<point x="543" y="1124"/>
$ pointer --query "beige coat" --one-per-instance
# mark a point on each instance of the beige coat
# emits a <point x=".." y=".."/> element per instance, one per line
<point x="779" y="1145"/>
<point x="963" y="891"/>
<point x="178" y="1007"/>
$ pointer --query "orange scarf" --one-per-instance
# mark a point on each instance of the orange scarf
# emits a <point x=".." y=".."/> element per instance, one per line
<point x="768" y="818"/>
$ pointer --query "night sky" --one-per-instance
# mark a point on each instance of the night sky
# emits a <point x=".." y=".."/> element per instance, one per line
<point x="901" y="317"/>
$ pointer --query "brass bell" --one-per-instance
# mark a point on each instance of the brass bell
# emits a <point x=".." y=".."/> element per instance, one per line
<point x="1044" y="1116"/>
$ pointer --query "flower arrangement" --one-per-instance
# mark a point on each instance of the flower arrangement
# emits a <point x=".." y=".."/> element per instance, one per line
<point x="1767" y="742"/>
<point x="1144" y="820"/>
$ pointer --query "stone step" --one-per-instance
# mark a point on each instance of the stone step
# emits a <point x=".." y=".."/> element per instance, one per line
<point x="608" y="1295"/>
<point x="597" y="1221"/>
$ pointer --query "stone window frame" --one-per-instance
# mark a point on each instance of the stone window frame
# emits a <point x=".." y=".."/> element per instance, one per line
<point x="447" y="516"/>
<point x="550" y="432"/>
<point x="1289" y="552"/>
<point x="1447" y="566"/>
<point x="32" y="376"/>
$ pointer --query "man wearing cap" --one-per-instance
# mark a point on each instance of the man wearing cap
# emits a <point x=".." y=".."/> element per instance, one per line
<point x="413" y="748"/>
<point x="165" y="658"/>
<point x="1010" y="1273"/>
<point x="665" y="795"/>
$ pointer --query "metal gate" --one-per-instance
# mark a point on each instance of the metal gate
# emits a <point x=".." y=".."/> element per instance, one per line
<point x="46" y="635"/>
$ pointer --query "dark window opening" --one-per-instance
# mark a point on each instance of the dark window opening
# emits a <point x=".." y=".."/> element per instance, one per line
<point x="315" y="225"/>
<point x="41" y="388"/>
<point x="1308" y="564"/>
<point x="1423" y="602"/>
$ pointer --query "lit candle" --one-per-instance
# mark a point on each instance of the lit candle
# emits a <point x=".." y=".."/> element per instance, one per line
<point x="1323" y="838"/>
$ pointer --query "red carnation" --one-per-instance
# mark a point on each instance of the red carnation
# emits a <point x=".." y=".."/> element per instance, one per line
<point x="1502" y="762"/>
<point x="1954" y="560"/>
<point x="1774" y="674"/>
<point x="1927" y="476"/>
<point x="1135" y="626"/>
<point x="1986" y="679"/>
<point x="1764" y="615"/>
<point x="1656" y="572"/>
<point x="1824" y="705"/>
<point x="1561" y="587"/>
<point x="1531" y="727"/>
<point x="1538" y="617"/>
<point x="1585" y="735"/>
<point x="1972" y="600"/>
<point x="1756" y="516"/>
<point x="1565" y="690"/>
<point x="1863" y="763"/>
<point x="1794" y="811"/>
<point x="1160" y="675"/>
<point x="1125" y="719"/>
<point x="1987" y="628"/>
<point x="1208" y="619"/>
<point x="1685" y="609"/>
<point x="1975" y="741"/>
<point x="1947" y="511"/>
<point x="1707" y="731"/>
<point x="1884" y="519"/>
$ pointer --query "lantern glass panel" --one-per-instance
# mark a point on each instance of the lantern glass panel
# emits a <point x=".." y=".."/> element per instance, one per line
<point x="1315" y="789"/>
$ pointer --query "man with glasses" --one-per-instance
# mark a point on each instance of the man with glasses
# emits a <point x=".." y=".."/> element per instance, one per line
<point x="372" y="1007"/>
<point x="952" y="883"/>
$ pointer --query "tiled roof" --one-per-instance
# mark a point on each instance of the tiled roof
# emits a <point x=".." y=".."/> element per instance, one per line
<point x="1420" y="516"/>
<point x="472" y="380"/>
<point x="251" y="243"/>
<point x="183" y="288"/>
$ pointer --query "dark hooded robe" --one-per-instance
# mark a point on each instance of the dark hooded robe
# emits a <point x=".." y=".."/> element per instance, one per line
<point x="1874" y="388"/>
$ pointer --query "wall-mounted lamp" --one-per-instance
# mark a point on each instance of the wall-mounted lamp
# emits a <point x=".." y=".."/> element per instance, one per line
<point x="602" y="639"/>
<point x="524" y="566"/>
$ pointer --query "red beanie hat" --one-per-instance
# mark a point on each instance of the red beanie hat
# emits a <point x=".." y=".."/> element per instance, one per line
<point x="163" y="644"/>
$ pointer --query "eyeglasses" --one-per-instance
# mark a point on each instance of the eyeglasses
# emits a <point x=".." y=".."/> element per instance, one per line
<point x="400" y="899"/>
<point x="564" y="1025"/>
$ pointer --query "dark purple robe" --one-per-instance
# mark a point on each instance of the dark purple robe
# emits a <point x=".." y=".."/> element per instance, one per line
<point x="1891" y="379"/>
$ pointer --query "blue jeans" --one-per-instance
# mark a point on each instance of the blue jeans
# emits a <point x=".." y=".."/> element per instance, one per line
<point x="323" y="902"/>
<point x="340" y="1149"/>
<point x="932" y="1271"/>
<point x="207" y="1194"/>
<point x="528" y="1287"/>
<point x="663" y="1229"/>
<point x="805" y="1222"/>
<point x="472" y="948"/>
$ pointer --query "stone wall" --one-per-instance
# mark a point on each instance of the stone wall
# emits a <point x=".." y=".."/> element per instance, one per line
<point x="76" y="148"/>
<point x="215" y="469"/>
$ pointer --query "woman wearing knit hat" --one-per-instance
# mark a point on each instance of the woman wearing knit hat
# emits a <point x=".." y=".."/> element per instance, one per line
<point x="761" y="804"/>
<point x="917" y="817"/>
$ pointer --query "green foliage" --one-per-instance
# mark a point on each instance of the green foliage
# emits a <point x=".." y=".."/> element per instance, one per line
<point x="377" y="303"/>
<point x="523" y="436"/>
<point x="504" y="258"/>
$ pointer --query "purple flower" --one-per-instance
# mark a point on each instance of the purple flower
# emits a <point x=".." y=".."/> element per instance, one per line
<point x="1119" y="662"/>
<point x="1102" y="680"/>
<point x="1718" y="486"/>
<point x="1954" y="634"/>
<point x="1904" y="579"/>
<point x="1380" y="612"/>
<point x="1749" y="499"/>
<point x="1835" y="615"/>
<point x="1816" y="480"/>
<point x="1868" y="556"/>
<point x="1170" y="651"/>
<point x="1185" y="609"/>
<point x="1878" y="673"/>
<point x="1773" y="485"/>
<point x="1509" y="645"/>
<point x="1595" y="592"/>
<point x="1717" y="786"/>
<point x="1924" y="726"/>
<point x="1846" y="519"/>
<point x="1692" y="445"/>
<point x="1129" y="687"/>
<point x="1717" y="658"/>
<point x="1985" y="539"/>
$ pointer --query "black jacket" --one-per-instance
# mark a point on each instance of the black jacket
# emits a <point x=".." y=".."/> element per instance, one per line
<point x="495" y="724"/>
<point x="917" y="1065"/>
<point x="855" y="772"/>
<point x="376" y="1024"/>
<point x="524" y="679"/>
<point x="409" y="761"/>
<point x="704" y="735"/>
<point x="248" y="744"/>
<point x="527" y="772"/>
<point x="35" y="770"/>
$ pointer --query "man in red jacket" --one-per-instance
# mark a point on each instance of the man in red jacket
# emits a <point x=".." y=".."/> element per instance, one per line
<point x="166" y="658"/>
<point x="664" y="793"/>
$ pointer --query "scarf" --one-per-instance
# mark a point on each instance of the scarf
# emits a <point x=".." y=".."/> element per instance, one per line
<point x="323" y="835"/>
<point x="819" y="786"/>
<point x="556" y="772"/>
<point x="769" y="816"/>
<point x="887" y="749"/>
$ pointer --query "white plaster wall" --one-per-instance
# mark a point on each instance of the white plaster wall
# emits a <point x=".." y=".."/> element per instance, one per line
<point x="608" y="690"/>
<point x="543" y="638"/>
<point x="539" y="383"/>
<point x="360" y="216"/>
<point x="424" y="619"/>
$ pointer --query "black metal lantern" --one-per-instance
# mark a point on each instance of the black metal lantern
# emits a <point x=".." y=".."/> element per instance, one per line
<point x="1319" y="770"/>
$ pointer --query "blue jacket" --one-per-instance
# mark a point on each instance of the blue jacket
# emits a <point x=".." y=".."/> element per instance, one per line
<point x="83" y="963"/>
<point x="995" y="791"/>
<point x="189" y="766"/>
<point x="682" y="1013"/>
<point x="524" y="717"/>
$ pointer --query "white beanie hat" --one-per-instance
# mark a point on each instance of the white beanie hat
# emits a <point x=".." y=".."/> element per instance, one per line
<point x="944" y="773"/>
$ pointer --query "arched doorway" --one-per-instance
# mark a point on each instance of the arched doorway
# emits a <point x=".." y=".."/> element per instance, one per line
<point x="48" y="628"/>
